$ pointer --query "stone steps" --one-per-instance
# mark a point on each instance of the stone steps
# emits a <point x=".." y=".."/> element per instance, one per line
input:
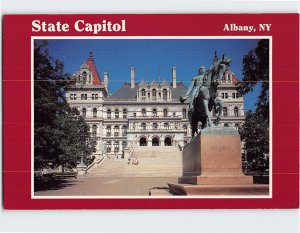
<point x="153" y="162"/>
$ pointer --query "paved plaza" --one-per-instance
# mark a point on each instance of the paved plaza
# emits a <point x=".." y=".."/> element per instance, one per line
<point x="109" y="186"/>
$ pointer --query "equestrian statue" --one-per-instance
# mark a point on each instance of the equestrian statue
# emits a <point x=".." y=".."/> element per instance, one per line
<point x="204" y="99"/>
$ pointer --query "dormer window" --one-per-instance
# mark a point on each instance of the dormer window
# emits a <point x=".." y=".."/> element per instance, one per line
<point x="84" y="77"/>
<point x="154" y="93"/>
<point x="143" y="93"/>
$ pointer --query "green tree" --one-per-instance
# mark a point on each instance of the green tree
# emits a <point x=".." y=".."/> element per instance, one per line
<point x="256" y="72"/>
<point x="255" y="131"/>
<point x="61" y="135"/>
<point x="255" y="134"/>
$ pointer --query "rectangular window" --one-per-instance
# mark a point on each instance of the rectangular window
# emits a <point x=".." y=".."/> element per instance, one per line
<point x="82" y="96"/>
<point x="71" y="97"/>
<point x="233" y="95"/>
<point x="108" y="132"/>
<point x="237" y="95"/>
<point x="93" y="96"/>
<point x="96" y="96"/>
<point x="75" y="96"/>
<point x="134" y="115"/>
<point x="222" y="95"/>
<point x="85" y="96"/>
<point x="226" y="95"/>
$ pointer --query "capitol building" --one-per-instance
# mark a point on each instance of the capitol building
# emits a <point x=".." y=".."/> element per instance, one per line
<point x="143" y="114"/>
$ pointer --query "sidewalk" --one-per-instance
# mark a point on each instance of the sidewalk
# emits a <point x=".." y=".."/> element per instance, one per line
<point x="110" y="186"/>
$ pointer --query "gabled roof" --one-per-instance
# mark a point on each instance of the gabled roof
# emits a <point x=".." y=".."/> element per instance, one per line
<point x="234" y="79"/>
<point x="90" y="63"/>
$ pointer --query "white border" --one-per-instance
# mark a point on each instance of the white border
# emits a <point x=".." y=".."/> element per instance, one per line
<point x="153" y="197"/>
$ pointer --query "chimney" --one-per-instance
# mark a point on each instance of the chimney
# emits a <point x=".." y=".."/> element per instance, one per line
<point x="105" y="80"/>
<point x="174" y="76"/>
<point x="132" y="77"/>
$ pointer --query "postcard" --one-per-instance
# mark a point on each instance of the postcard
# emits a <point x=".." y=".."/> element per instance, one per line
<point x="151" y="111"/>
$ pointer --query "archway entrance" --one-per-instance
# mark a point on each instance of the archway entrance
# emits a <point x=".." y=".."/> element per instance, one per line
<point x="143" y="141"/>
<point x="155" y="141"/>
<point x="168" y="141"/>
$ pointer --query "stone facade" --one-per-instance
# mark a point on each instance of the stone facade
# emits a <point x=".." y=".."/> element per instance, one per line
<point x="141" y="114"/>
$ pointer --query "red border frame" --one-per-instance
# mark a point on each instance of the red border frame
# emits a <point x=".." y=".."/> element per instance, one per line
<point x="17" y="104"/>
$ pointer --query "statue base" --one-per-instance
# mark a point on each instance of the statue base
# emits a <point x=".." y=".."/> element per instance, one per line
<point x="212" y="164"/>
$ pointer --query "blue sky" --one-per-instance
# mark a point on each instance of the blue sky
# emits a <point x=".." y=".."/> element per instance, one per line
<point x="152" y="58"/>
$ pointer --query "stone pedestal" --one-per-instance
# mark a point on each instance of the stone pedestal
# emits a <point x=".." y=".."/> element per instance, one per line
<point x="212" y="163"/>
<point x="81" y="169"/>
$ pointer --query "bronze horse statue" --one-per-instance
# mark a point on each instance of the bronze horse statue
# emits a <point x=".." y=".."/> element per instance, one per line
<point x="207" y="98"/>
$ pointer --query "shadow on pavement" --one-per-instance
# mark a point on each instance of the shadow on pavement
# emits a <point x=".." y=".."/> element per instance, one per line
<point x="52" y="183"/>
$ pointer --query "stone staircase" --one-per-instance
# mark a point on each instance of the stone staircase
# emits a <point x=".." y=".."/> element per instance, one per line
<point x="153" y="162"/>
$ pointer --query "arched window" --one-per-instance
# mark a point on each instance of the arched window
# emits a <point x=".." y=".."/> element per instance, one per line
<point x="143" y="112"/>
<point x="237" y="125"/>
<point x="124" y="130"/>
<point x="124" y="113"/>
<point x="116" y="131"/>
<point x="165" y="112"/>
<point x="225" y="112"/>
<point x="233" y="95"/>
<point x="153" y="93"/>
<point x="155" y="126"/>
<point x="236" y="111"/>
<point x="143" y="126"/>
<point x="154" y="112"/>
<point x="108" y="114"/>
<point x="168" y="141"/>
<point x="185" y="130"/>
<point x="116" y="113"/>
<point x="166" y="125"/>
<point x="226" y="125"/>
<point x="95" y="112"/>
<point x="108" y="131"/>
<point x="184" y="113"/>
<point x="155" y="141"/>
<point x="94" y="129"/>
<point x="84" y="113"/>
<point x="143" y="141"/>
<point x="165" y="94"/>
<point x="143" y="93"/>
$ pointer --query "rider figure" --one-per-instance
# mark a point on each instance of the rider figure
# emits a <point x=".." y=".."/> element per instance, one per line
<point x="194" y="87"/>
